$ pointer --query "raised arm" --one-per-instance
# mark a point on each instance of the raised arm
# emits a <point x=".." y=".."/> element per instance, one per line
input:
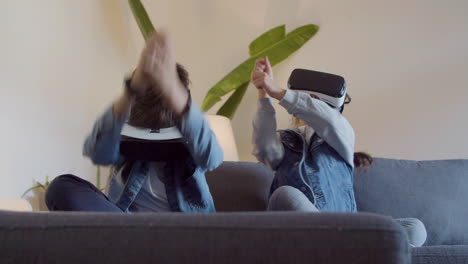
<point x="161" y="69"/>
<point x="327" y="122"/>
<point x="267" y="145"/>
<point x="200" y="139"/>
<point x="103" y="143"/>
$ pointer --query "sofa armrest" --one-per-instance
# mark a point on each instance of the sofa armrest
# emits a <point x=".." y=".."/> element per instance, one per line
<point x="260" y="237"/>
<point x="434" y="191"/>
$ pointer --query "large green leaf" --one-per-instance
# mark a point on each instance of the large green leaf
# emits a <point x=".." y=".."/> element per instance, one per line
<point x="267" y="39"/>
<point x="141" y="17"/>
<point x="261" y="43"/>
<point x="232" y="103"/>
<point x="276" y="53"/>
<point x="98" y="177"/>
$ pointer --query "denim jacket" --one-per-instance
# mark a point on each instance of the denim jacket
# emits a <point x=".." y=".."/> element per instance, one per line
<point x="184" y="180"/>
<point x="322" y="169"/>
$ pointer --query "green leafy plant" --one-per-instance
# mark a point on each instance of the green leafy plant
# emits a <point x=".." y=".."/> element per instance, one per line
<point x="98" y="178"/>
<point x="275" y="44"/>
<point x="38" y="185"/>
<point x="141" y="17"/>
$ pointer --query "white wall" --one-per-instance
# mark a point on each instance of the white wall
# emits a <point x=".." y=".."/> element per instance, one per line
<point x="62" y="63"/>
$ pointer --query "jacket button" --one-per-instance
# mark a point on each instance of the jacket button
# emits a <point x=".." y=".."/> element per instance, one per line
<point x="296" y="163"/>
<point x="131" y="194"/>
<point x="303" y="189"/>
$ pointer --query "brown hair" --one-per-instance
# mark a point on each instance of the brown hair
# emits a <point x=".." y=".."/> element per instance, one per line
<point x="151" y="110"/>
<point x="362" y="160"/>
<point x="295" y="122"/>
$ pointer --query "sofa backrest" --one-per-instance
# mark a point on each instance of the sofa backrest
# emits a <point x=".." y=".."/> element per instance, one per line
<point x="436" y="192"/>
<point x="240" y="186"/>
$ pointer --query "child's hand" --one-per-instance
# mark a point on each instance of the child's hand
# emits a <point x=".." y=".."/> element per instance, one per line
<point x="157" y="69"/>
<point x="260" y="72"/>
<point x="262" y="78"/>
<point x="258" y="69"/>
<point x="157" y="66"/>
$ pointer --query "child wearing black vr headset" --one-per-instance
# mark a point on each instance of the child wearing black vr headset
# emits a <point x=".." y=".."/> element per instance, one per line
<point x="146" y="178"/>
<point x="314" y="162"/>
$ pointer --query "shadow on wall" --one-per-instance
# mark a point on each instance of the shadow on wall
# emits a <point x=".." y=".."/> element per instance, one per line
<point x="114" y="18"/>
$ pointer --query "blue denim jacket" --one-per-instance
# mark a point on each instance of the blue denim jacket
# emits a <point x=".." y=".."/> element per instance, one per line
<point x="322" y="169"/>
<point x="318" y="171"/>
<point x="184" y="180"/>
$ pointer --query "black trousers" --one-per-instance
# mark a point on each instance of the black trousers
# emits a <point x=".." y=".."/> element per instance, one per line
<point x="71" y="193"/>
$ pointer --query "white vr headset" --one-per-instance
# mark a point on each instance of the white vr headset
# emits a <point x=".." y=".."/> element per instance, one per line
<point x="169" y="133"/>
<point x="327" y="87"/>
<point x="144" y="144"/>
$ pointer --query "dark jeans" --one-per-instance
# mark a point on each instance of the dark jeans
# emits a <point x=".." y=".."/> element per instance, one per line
<point x="71" y="193"/>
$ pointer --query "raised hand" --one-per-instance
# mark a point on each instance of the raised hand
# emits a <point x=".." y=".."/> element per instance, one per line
<point x="157" y="66"/>
<point x="157" y="70"/>
<point x="262" y="79"/>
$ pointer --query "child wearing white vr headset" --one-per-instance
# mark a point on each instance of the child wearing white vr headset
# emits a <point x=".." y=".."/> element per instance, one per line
<point x="155" y="101"/>
<point x="314" y="161"/>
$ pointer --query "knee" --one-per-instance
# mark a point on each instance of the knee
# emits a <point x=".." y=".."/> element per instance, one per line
<point x="284" y="192"/>
<point x="287" y="198"/>
<point x="416" y="231"/>
<point x="57" y="190"/>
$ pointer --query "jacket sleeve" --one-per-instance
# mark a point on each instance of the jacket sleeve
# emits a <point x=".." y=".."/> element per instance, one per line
<point x="102" y="145"/>
<point x="200" y="139"/>
<point x="326" y="121"/>
<point x="268" y="148"/>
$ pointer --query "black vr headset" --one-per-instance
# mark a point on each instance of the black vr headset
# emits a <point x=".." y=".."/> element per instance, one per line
<point x="329" y="88"/>
<point x="165" y="144"/>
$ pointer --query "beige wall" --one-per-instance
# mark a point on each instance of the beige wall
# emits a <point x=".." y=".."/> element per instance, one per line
<point x="62" y="62"/>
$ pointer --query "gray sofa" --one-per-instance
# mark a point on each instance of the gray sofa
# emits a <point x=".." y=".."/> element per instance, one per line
<point x="433" y="191"/>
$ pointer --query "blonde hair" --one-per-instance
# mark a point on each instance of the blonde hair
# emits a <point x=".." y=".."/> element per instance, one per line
<point x="362" y="160"/>
<point x="295" y="122"/>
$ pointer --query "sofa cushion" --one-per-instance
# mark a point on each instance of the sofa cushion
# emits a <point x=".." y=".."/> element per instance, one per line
<point x="240" y="186"/>
<point x="440" y="255"/>
<point x="436" y="192"/>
